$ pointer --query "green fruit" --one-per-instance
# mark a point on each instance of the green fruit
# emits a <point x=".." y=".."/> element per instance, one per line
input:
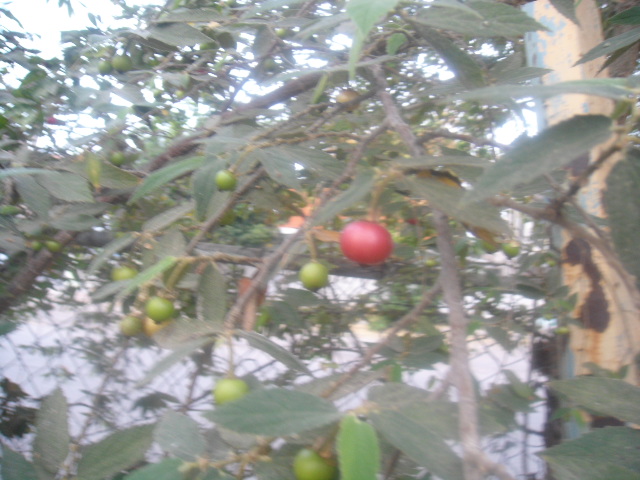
<point x="314" y="275"/>
<point x="264" y="318"/>
<point x="9" y="210"/>
<point x="105" y="67"/>
<point x="511" y="249"/>
<point x="159" y="309"/>
<point x="229" y="389"/>
<point x="151" y="327"/>
<point x="309" y="465"/>
<point x="228" y="218"/>
<point x="226" y="180"/>
<point x="269" y="65"/>
<point x="488" y="247"/>
<point x="118" y="158"/>
<point x="53" y="246"/>
<point x="36" y="245"/>
<point x="346" y="96"/>
<point x="563" y="331"/>
<point x="122" y="63"/>
<point x="123" y="273"/>
<point x="431" y="262"/>
<point x="209" y="46"/>
<point x="130" y="325"/>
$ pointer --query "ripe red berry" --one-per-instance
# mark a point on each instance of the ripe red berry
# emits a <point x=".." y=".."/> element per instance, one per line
<point x="365" y="242"/>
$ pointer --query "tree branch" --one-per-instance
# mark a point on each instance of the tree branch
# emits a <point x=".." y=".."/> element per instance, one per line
<point x="407" y="320"/>
<point x="475" y="462"/>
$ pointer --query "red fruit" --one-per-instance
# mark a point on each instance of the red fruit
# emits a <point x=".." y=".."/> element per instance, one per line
<point x="367" y="243"/>
<point x="54" y="121"/>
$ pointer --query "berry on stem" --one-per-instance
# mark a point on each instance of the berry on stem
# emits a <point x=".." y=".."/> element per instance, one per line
<point x="367" y="243"/>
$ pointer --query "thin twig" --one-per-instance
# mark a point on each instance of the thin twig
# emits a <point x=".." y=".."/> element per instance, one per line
<point x="409" y="318"/>
<point x="475" y="461"/>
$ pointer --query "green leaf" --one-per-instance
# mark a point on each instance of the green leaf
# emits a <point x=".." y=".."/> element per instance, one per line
<point x="630" y="16"/>
<point x="114" y="177"/>
<point x="275" y="412"/>
<point x="15" y="466"/>
<point x="449" y="199"/>
<point x="358" y="450"/>
<point x="147" y="275"/>
<point x="191" y="15"/>
<point x="280" y="168"/>
<point x="161" y="177"/>
<point x="451" y="161"/>
<point x="18" y="172"/>
<point x="180" y="436"/>
<point x="397" y="395"/>
<point x="394" y="42"/>
<point x="606" y="396"/>
<point x="211" y="302"/>
<point x="615" y="88"/>
<point x="357" y="191"/>
<point x="610" y="45"/>
<point x="110" y="175"/>
<point x="609" y="453"/>
<point x="498" y="20"/>
<point x="125" y="287"/>
<point x="170" y="244"/>
<point x="622" y="203"/>
<point x="168" y="217"/>
<point x="356" y="383"/>
<point x="177" y="34"/>
<point x="419" y="353"/>
<point x="51" y="443"/>
<point x="168" y="469"/>
<point x="111" y="248"/>
<point x="204" y="187"/>
<point x="354" y="54"/>
<point x="550" y="150"/>
<point x="413" y="434"/>
<point x="456" y="5"/>
<point x="34" y="195"/>
<point x="116" y="452"/>
<point x="66" y="186"/>
<point x="566" y="8"/>
<point x="367" y="13"/>
<point x="176" y="356"/>
<point x="183" y="331"/>
<point x="519" y="75"/>
<point x="268" y="5"/>
<point x="466" y="70"/>
<point x="264" y="344"/>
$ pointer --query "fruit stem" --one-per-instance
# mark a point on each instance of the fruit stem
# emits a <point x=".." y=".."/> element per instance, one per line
<point x="177" y="273"/>
<point x="380" y="187"/>
<point x="313" y="250"/>
<point x="324" y="445"/>
<point x="231" y="371"/>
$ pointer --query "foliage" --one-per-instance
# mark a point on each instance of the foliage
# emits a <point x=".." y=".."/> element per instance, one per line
<point x="251" y="87"/>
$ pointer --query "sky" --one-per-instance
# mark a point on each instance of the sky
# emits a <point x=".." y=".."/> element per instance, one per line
<point x="50" y="20"/>
<point x="46" y="19"/>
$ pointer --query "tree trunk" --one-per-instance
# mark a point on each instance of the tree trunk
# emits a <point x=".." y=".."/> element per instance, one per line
<point x="607" y="304"/>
